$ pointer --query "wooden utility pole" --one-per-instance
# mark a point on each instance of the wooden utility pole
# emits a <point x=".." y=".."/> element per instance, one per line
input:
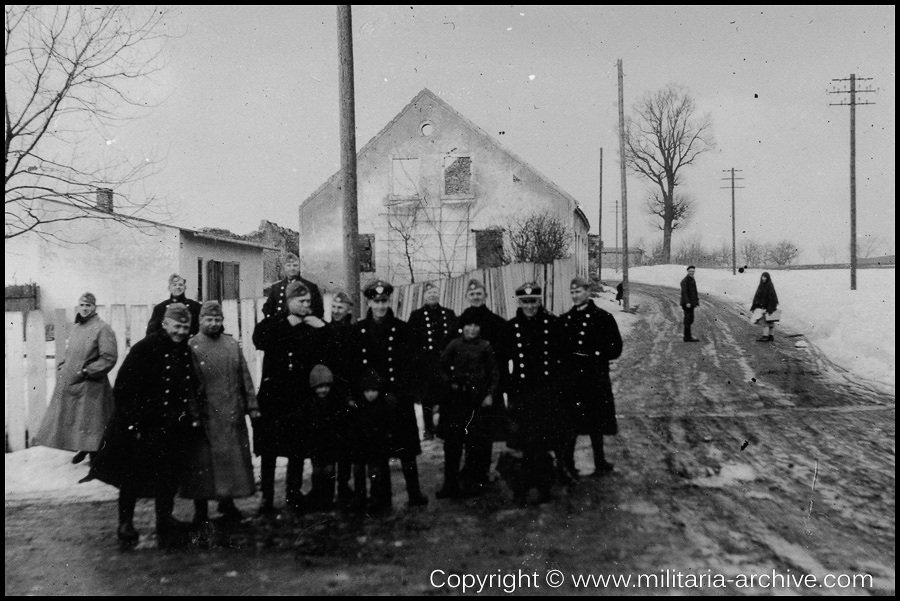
<point x="348" y="153"/>
<point x="852" y="103"/>
<point x="733" y="233"/>
<point x="626" y="292"/>
<point x="600" y="224"/>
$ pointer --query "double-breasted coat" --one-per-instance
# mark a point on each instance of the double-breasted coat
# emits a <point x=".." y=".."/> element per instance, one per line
<point x="159" y="313"/>
<point x="592" y="340"/>
<point x="157" y="396"/>
<point x="82" y="402"/>
<point x="431" y="327"/>
<point x="532" y="346"/>
<point x="277" y="302"/>
<point x="219" y="465"/>
<point x="290" y="354"/>
<point x="387" y="348"/>
<point x="471" y="366"/>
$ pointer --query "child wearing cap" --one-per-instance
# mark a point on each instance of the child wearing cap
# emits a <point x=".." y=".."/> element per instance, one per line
<point x="371" y="428"/>
<point x="469" y="370"/>
<point x="326" y="422"/>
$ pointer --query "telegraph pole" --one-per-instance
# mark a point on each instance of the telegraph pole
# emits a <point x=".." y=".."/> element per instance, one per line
<point x="626" y="293"/>
<point x="852" y="104"/>
<point x="600" y="223"/>
<point x="733" y="234"/>
<point x="348" y="153"/>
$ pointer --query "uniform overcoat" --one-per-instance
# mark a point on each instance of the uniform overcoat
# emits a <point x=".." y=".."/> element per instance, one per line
<point x="277" y="303"/>
<point x="219" y="465"/>
<point x="82" y="403"/>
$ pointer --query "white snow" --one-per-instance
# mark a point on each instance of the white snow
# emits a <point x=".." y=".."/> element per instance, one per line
<point x="855" y="329"/>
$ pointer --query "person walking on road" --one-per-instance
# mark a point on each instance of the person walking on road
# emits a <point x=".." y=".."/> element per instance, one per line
<point x="765" y="307"/>
<point x="689" y="302"/>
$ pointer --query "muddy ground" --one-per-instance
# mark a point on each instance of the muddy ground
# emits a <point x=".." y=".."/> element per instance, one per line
<point x="736" y="459"/>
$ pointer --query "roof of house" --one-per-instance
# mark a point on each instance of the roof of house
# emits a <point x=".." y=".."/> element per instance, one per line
<point x="140" y="220"/>
<point x="426" y="93"/>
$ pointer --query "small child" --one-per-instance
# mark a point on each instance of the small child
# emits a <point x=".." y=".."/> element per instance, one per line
<point x="371" y="435"/>
<point x="469" y="369"/>
<point x="326" y="436"/>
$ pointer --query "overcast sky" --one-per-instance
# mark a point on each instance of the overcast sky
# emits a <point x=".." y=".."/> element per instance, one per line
<point x="248" y="115"/>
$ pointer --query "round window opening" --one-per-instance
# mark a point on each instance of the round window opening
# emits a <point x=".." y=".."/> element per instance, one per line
<point x="427" y="129"/>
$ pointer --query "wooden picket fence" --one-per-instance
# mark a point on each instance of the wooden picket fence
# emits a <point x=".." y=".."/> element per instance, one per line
<point x="31" y="358"/>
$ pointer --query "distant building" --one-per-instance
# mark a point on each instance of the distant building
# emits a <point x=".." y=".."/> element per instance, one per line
<point x="129" y="260"/>
<point x="612" y="258"/>
<point x="435" y="193"/>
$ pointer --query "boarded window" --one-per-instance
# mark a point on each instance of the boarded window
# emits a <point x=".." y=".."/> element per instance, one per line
<point x="223" y="280"/>
<point x="488" y="248"/>
<point x="200" y="279"/>
<point x="367" y="252"/>
<point x="458" y="177"/>
<point x="405" y="178"/>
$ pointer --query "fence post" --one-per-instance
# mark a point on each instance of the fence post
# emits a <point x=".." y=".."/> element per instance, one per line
<point x="15" y="381"/>
<point x="35" y="371"/>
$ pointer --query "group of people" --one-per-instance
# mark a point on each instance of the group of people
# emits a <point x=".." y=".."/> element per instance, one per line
<point x="340" y="393"/>
<point x="764" y="309"/>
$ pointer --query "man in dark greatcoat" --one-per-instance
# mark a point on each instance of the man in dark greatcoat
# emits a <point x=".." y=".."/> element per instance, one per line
<point x="177" y="286"/>
<point x="431" y="325"/>
<point x="385" y="345"/>
<point x="592" y="340"/>
<point x="219" y="465"/>
<point x="157" y="395"/>
<point x="537" y="417"/>
<point x="277" y="300"/>
<point x="293" y="343"/>
<point x="689" y="301"/>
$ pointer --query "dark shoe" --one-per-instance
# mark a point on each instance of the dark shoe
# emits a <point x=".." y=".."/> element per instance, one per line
<point x="267" y="509"/>
<point x="764" y="339"/>
<point x="771" y="338"/>
<point x="602" y="468"/>
<point x="564" y="477"/>
<point x="171" y="533"/>
<point x="79" y="457"/>
<point x="87" y="478"/>
<point x="344" y="495"/>
<point x="380" y="507"/>
<point x="417" y="500"/>
<point x="232" y="515"/>
<point x="544" y="496"/>
<point x="692" y="340"/>
<point x="127" y="534"/>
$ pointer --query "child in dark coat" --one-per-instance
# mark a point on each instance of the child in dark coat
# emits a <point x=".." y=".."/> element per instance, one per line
<point x="326" y="417"/>
<point x="371" y="432"/>
<point x="469" y="370"/>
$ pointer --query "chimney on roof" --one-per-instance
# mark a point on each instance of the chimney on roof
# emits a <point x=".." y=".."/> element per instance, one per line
<point x="105" y="199"/>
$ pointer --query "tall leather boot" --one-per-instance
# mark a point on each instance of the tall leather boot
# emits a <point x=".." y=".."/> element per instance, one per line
<point x="411" y="475"/>
<point x="126" y="532"/>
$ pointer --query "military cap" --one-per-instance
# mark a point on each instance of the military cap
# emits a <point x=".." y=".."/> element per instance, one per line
<point x="343" y="297"/>
<point x="175" y="278"/>
<point x="474" y="284"/>
<point x="428" y="286"/>
<point x="178" y="312"/>
<point x="289" y="257"/>
<point x="212" y="308"/>
<point x="378" y="288"/>
<point x="580" y="282"/>
<point x="89" y="298"/>
<point x="471" y="315"/>
<point x="295" y="289"/>
<point x="528" y="290"/>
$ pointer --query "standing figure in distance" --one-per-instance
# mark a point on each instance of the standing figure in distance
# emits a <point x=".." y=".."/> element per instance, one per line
<point x="82" y="401"/>
<point x="767" y="300"/>
<point x="157" y="396"/>
<point x="218" y="464"/>
<point x="689" y="302"/>
<point x="431" y="325"/>
<point x="177" y="286"/>
<point x="592" y="340"/>
<point x="277" y="300"/>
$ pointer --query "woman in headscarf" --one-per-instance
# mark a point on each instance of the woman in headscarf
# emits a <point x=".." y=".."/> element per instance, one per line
<point x="767" y="300"/>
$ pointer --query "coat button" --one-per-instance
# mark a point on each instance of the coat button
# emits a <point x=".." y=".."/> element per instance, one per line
<point x="365" y="361"/>
<point x="581" y="342"/>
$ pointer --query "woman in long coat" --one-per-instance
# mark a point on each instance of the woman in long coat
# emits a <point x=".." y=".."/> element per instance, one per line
<point x="83" y="399"/>
<point x="767" y="300"/>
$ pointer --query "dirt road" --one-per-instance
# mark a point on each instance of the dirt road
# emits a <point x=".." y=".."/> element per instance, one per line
<point x="741" y="468"/>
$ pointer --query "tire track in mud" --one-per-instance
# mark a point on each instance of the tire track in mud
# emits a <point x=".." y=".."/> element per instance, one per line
<point x="762" y="454"/>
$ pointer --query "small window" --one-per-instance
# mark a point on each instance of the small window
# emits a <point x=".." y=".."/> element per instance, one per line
<point x="488" y="248"/>
<point x="427" y="129"/>
<point x="223" y="280"/>
<point x="405" y="178"/>
<point x="457" y="180"/>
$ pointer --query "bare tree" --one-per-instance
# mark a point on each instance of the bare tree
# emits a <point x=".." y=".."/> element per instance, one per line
<point x="663" y="135"/>
<point x="538" y="238"/>
<point x="869" y="246"/>
<point x="782" y="253"/>
<point x="682" y="210"/>
<point x="752" y="252"/>
<point x="828" y="253"/>
<point x="403" y="222"/>
<point x="72" y="74"/>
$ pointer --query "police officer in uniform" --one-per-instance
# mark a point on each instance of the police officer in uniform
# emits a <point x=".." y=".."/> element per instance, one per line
<point x="277" y="301"/>
<point x="592" y="340"/>
<point x="532" y="344"/>
<point x="385" y="345"/>
<point x="177" y="287"/>
<point x="431" y="326"/>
